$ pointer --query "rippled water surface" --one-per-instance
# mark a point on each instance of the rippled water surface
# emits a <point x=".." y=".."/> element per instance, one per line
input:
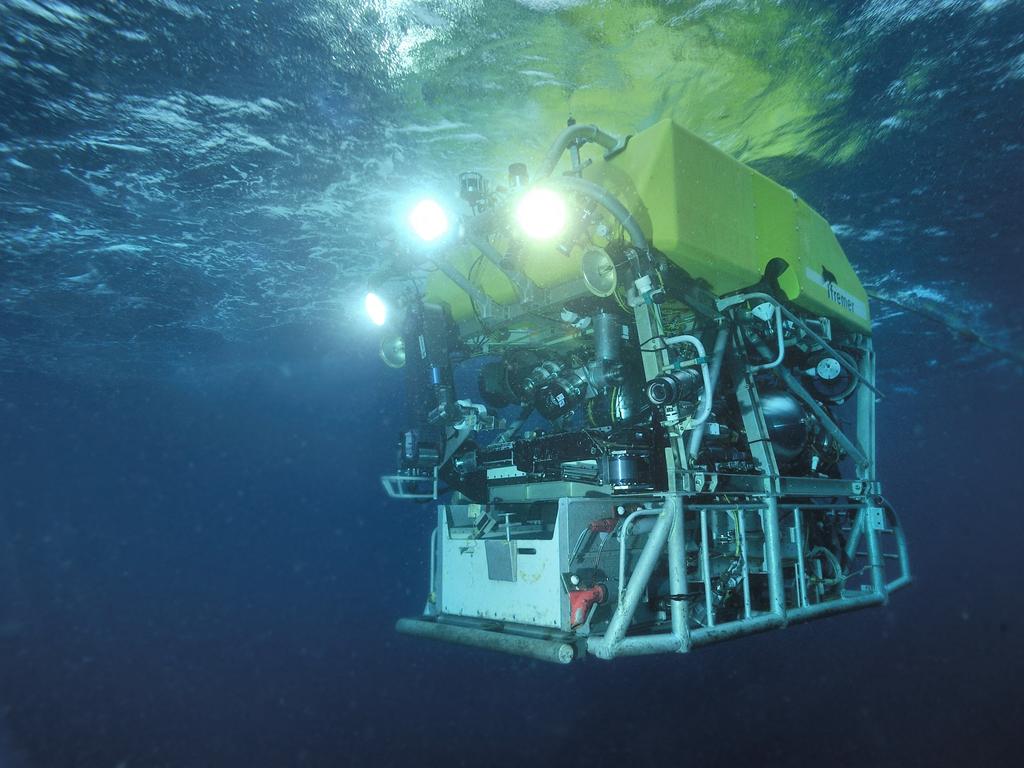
<point x="178" y="176"/>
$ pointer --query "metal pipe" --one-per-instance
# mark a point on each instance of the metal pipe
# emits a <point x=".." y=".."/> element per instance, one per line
<point x="822" y="507"/>
<point x="677" y="573"/>
<point x="648" y="644"/>
<point x="532" y="647"/>
<point x="875" y="558"/>
<point x="623" y="535"/>
<point x="762" y="623"/>
<point x="605" y="647"/>
<point x="819" y="575"/>
<point x="747" y="507"/>
<point x="717" y="355"/>
<point x="742" y="533"/>
<point x="704" y="409"/>
<point x="433" y="559"/>
<point x="460" y="280"/>
<point x="833" y="606"/>
<point x="898" y="583"/>
<point x="866" y="412"/>
<point x="801" y="574"/>
<point x="773" y="557"/>
<point x="782" y="345"/>
<point x="571" y="135"/>
<point x="705" y="563"/>
<point x="904" y="554"/>
<point x="518" y="279"/>
<point x="732" y="301"/>
<point x="766" y="622"/>
<point x="854" y="540"/>
<point x="613" y="206"/>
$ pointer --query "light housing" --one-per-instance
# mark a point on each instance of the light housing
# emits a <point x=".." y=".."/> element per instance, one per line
<point x="429" y="220"/>
<point x="541" y="213"/>
<point x="376" y="309"/>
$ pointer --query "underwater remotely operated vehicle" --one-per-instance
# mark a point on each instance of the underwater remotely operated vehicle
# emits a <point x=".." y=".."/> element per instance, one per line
<point x="641" y="387"/>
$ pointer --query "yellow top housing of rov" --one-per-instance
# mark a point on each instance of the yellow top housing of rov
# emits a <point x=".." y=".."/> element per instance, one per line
<point x="721" y="222"/>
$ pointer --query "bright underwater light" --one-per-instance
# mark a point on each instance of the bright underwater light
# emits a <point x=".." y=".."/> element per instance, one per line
<point x="376" y="309"/>
<point x="541" y="214"/>
<point x="428" y="220"/>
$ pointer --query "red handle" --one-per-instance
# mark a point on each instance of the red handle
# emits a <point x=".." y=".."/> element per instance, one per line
<point x="580" y="602"/>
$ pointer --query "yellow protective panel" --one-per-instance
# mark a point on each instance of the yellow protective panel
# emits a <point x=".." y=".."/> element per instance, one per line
<point x="479" y="271"/>
<point x="543" y="264"/>
<point x="724" y="223"/>
<point x="547" y="266"/>
<point x="715" y="218"/>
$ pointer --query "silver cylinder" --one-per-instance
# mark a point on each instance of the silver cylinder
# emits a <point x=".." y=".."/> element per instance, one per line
<point x="532" y="647"/>
<point x="607" y="336"/>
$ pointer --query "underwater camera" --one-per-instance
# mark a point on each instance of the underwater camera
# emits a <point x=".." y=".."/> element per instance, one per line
<point x="641" y="404"/>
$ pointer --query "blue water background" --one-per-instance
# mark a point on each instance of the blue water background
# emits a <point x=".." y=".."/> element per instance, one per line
<point x="208" y="572"/>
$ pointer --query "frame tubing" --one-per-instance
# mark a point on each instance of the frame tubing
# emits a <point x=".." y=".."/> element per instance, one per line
<point x="801" y="574"/>
<point x="875" y="560"/>
<point x="605" y="646"/>
<point x="773" y="558"/>
<point x="705" y="560"/>
<point x="742" y="533"/>
<point x="622" y="543"/>
<point x="677" y="574"/>
<point x="643" y="645"/>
